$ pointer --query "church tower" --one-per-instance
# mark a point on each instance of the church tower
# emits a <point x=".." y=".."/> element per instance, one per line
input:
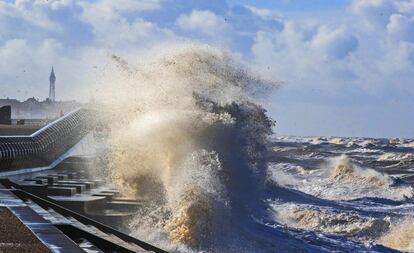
<point x="52" y="80"/>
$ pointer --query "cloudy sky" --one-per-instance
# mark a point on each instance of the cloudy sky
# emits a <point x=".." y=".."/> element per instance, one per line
<point x="347" y="66"/>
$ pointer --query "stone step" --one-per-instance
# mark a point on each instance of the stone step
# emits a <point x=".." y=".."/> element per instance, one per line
<point x="71" y="175"/>
<point x="61" y="191"/>
<point x="79" y="187"/>
<point x="123" y="205"/>
<point x="97" y="182"/>
<point x="36" y="180"/>
<point x="80" y="203"/>
<point x="88" y="184"/>
<point x="60" y="176"/>
<point x="32" y="187"/>
<point x="50" y="179"/>
<point x="108" y="196"/>
<point x="129" y="199"/>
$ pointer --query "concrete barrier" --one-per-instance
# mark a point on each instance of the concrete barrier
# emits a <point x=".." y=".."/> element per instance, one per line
<point x="45" y="145"/>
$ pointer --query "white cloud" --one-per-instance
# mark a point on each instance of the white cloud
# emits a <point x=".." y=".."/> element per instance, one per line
<point x="265" y="13"/>
<point x="20" y="52"/>
<point x="405" y="6"/>
<point x="373" y="12"/>
<point x="369" y="46"/>
<point x="122" y="6"/>
<point x="320" y="57"/>
<point x="25" y="63"/>
<point x="28" y="12"/>
<point x="53" y="4"/>
<point x="202" y="21"/>
<point x="114" y="30"/>
<point x="335" y="44"/>
<point x="401" y="27"/>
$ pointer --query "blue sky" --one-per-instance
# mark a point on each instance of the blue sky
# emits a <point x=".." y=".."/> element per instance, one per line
<point x="347" y="66"/>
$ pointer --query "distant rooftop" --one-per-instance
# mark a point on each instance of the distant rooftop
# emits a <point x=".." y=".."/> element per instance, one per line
<point x="18" y="129"/>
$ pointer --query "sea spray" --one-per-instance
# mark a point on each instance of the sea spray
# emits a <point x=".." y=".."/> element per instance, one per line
<point x="188" y="135"/>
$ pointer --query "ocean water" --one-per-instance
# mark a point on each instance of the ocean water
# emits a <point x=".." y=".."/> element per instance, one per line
<point x="343" y="194"/>
<point x="190" y="137"/>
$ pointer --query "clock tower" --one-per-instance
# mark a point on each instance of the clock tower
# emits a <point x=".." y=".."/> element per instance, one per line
<point x="52" y="80"/>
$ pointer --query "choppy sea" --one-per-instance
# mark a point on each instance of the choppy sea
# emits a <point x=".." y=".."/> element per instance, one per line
<point x="339" y="195"/>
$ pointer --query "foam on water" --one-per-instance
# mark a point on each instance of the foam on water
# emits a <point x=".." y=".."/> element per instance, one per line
<point x="337" y="141"/>
<point x="409" y="144"/>
<point x="346" y="223"/>
<point x="395" y="234"/>
<point x="341" y="179"/>
<point x="402" y="157"/>
<point x="401" y="236"/>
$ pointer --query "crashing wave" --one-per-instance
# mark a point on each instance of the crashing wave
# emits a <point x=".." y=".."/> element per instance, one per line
<point x="187" y="133"/>
<point x="344" y="170"/>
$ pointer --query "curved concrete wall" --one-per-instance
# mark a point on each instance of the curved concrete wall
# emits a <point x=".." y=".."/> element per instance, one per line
<point x="45" y="145"/>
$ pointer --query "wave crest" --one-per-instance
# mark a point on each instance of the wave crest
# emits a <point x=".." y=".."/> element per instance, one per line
<point x="348" y="224"/>
<point x="339" y="178"/>
<point x="398" y="157"/>
<point x="344" y="170"/>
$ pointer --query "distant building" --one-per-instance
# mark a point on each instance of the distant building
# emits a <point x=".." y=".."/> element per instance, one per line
<point x="52" y="80"/>
<point x="5" y="115"/>
<point x="34" y="110"/>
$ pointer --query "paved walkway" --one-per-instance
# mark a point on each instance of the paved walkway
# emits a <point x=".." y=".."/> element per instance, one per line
<point x="16" y="237"/>
<point x="23" y="230"/>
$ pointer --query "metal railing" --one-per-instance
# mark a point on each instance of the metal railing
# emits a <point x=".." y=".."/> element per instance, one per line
<point x="45" y="145"/>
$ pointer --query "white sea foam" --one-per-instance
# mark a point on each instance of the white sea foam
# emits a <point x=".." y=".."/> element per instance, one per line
<point x="402" y="157"/>
<point x="396" y="234"/>
<point x="282" y="149"/>
<point x="400" y="236"/>
<point x="338" y="141"/>
<point x="314" y="140"/>
<point x="401" y="142"/>
<point x="341" y="179"/>
<point x="364" y="143"/>
<point x="325" y="220"/>
<point x="286" y="174"/>
<point x="408" y="144"/>
<point x="348" y="142"/>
